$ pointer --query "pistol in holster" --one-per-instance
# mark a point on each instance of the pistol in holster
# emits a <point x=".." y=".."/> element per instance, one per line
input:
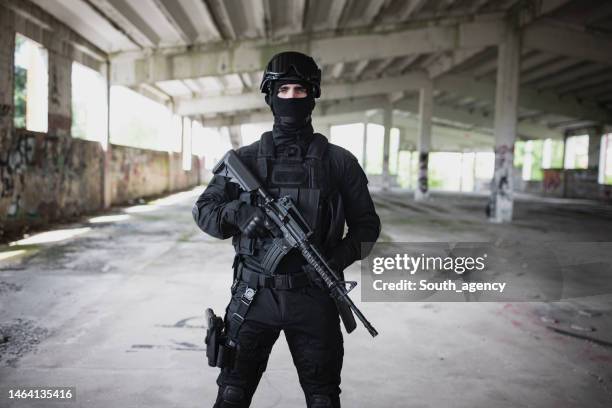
<point x="218" y="353"/>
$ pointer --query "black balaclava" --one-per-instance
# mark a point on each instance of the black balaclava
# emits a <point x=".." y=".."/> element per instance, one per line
<point x="292" y="121"/>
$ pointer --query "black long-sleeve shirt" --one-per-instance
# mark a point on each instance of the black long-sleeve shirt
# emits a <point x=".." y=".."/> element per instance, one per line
<point x="215" y="209"/>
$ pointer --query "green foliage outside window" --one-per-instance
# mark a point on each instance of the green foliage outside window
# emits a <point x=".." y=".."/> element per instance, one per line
<point x="408" y="168"/>
<point x="536" y="160"/>
<point x="519" y="153"/>
<point x="556" y="160"/>
<point x="20" y="95"/>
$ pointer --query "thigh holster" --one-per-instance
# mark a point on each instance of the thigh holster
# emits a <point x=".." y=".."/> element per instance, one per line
<point x="217" y="351"/>
<point x="246" y="285"/>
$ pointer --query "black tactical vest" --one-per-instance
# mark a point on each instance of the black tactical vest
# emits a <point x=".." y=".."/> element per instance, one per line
<point x="306" y="178"/>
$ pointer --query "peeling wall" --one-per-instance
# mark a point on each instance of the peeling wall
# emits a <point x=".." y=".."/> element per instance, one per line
<point x="138" y="173"/>
<point x="568" y="183"/>
<point x="180" y="179"/>
<point x="45" y="178"/>
<point x="583" y="184"/>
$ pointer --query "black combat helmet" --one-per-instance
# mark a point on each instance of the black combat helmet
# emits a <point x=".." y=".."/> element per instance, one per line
<point x="292" y="65"/>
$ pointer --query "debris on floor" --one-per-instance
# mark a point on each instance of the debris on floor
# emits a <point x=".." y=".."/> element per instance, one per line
<point x="19" y="337"/>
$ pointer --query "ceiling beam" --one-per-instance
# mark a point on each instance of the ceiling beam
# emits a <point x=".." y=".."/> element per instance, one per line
<point x="595" y="79"/>
<point x="570" y="43"/>
<point x="548" y="6"/>
<point x="536" y="60"/>
<point x="249" y="56"/>
<point x="477" y="5"/>
<point x="450" y="60"/>
<point x="223" y="22"/>
<point x="202" y="20"/>
<point x="337" y="70"/>
<point x="126" y="20"/>
<point x="414" y="6"/>
<point x="254" y="100"/>
<point x="548" y="70"/>
<point x="336" y="9"/>
<point x="373" y="9"/>
<point x="405" y="64"/>
<point x="486" y="69"/>
<point x="545" y="101"/>
<point x="448" y="138"/>
<point x="298" y="15"/>
<point x="262" y="8"/>
<point x="456" y="86"/>
<point x="260" y="17"/>
<point x="474" y="121"/>
<point x="383" y="65"/>
<point x="585" y="70"/>
<point x="359" y="68"/>
<point x="598" y="13"/>
<point x="178" y="19"/>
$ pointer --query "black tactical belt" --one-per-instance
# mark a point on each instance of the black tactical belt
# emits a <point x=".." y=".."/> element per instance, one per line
<point x="283" y="282"/>
<point x="238" y="307"/>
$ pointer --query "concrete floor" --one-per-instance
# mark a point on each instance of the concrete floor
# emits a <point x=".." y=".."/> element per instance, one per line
<point x="117" y="312"/>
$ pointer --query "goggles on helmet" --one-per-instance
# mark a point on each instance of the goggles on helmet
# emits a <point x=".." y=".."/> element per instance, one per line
<point x="292" y="65"/>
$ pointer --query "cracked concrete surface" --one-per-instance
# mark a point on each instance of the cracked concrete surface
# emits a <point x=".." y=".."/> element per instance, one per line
<point x="117" y="312"/>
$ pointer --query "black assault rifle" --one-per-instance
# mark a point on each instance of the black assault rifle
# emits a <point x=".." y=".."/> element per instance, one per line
<point x="296" y="233"/>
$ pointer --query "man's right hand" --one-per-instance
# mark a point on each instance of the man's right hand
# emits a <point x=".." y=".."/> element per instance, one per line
<point x="252" y="221"/>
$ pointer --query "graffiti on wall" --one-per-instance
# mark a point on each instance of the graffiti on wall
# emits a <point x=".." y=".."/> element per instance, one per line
<point x="47" y="177"/>
<point x="500" y="201"/>
<point x="422" y="179"/>
<point x="13" y="162"/>
<point x="5" y="111"/>
<point x="551" y="180"/>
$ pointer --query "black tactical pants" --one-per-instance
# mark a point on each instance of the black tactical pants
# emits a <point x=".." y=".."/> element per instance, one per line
<point x="310" y="320"/>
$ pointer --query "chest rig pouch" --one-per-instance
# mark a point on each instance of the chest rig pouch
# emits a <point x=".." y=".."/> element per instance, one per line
<point x="287" y="172"/>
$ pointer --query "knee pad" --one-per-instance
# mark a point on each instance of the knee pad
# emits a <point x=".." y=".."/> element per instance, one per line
<point x="232" y="397"/>
<point x="319" y="401"/>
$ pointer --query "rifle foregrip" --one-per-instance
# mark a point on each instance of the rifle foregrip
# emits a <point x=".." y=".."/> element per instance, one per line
<point x="329" y="282"/>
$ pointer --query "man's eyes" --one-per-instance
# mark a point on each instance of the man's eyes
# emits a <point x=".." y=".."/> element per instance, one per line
<point x="296" y="90"/>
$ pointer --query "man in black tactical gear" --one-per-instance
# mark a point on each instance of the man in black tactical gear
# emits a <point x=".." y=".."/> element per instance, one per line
<point x="329" y="188"/>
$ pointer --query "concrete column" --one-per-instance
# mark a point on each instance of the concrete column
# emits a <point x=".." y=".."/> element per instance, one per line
<point x="461" y="162"/>
<point x="186" y="159"/>
<point x="183" y="133"/>
<point x="397" y="159"/>
<point x="565" y="136"/>
<point x="474" y="172"/>
<point x="235" y="136"/>
<point x="595" y="147"/>
<point x="410" y="186"/>
<point x="175" y="159"/>
<point x="60" y="94"/>
<point x="505" y="124"/>
<point x="364" y="154"/>
<point x="107" y="155"/>
<point x="387" y="123"/>
<point x="424" y="140"/>
<point x="7" y="55"/>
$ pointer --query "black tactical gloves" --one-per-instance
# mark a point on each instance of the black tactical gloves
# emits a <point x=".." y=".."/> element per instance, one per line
<point x="253" y="222"/>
